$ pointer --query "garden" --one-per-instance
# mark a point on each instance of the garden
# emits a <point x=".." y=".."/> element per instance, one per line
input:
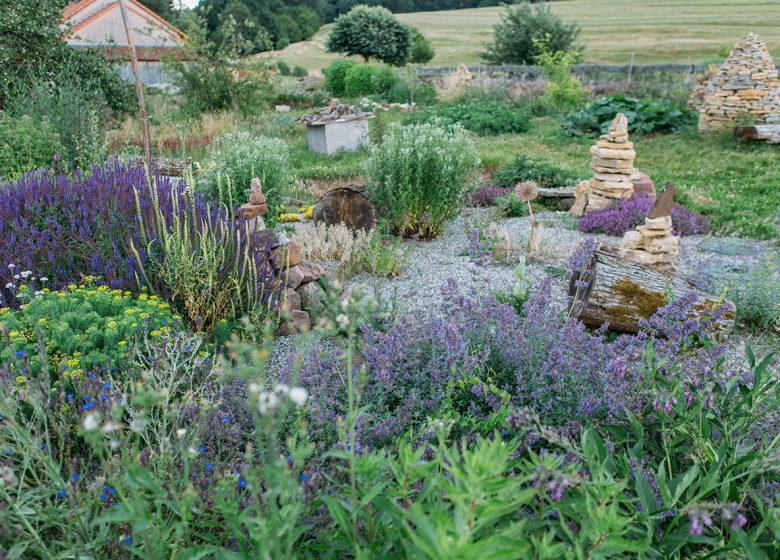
<point x="515" y="319"/>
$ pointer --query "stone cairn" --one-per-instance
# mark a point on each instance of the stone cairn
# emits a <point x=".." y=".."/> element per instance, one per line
<point x="613" y="164"/>
<point x="335" y="111"/>
<point x="746" y="84"/>
<point x="653" y="243"/>
<point x="299" y="277"/>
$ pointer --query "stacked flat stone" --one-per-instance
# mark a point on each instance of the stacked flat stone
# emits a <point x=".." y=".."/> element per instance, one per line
<point x="613" y="164"/>
<point x="256" y="208"/>
<point x="299" y="277"/>
<point x="746" y="84"/>
<point x="653" y="242"/>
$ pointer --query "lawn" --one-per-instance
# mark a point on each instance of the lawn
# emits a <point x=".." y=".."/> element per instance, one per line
<point x="657" y="31"/>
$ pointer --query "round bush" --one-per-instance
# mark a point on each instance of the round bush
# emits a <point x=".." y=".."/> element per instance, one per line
<point x="240" y="156"/>
<point x="336" y="76"/>
<point x="419" y="175"/>
<point x="361" y="80"/>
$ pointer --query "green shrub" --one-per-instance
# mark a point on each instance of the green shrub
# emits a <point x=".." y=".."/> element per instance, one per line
<point x="300" y="72"/>
<point x="644" y="116"/>
<point x="422" y="49"/>
<point x="283" y="67"/>
<point x="527" y="168"/>
<point x="25" y="145"/>
<point x="211" y="86"/>
<point x="82" y="326"/>
<point x="564" y="90"/>
<point x="361" y="80"/>
<point x="72" y="110"/>
<point x="523" y="29"/>
<point x="419" y="175"/>
<point x="240" y="156"/>
<point x="336" y="76"/>
<point x="486" y="119"/>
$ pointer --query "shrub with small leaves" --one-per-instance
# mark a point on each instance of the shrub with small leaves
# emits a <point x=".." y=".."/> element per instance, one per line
<point x="419" y="175"/>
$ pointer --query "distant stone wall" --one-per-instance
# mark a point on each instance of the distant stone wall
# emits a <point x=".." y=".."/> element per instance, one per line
<point x="746" y="85"/>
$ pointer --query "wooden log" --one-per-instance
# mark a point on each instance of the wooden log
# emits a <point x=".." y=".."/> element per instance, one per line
<point x="559" y="192"/>
<point x="768" y="132"/>
<point x="348" y="206"/>
<point x="619" y="293"/>
<point x="174" y="167"/>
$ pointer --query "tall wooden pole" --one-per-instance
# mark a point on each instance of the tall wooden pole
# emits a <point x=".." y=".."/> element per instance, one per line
<point x="139" y="89"/>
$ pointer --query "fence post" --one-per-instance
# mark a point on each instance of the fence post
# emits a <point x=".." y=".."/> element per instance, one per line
<point x="630" y="69"/>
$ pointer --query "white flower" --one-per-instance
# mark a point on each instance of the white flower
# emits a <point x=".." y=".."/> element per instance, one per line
<point x="26" y="274"/>
<point x="114" y="444"/>
<point x="12" y="266"/>
<point x="281" y="389"/>
<point x="9" y="286"/>
<point x="137" y="425"/>
<point x="38" y="293"/>
<point x="267" y="402"/>
<point x="44" y="279"/>
<point x="16" y="277"/>
<point x="342" y="321"/>
<point x="298" y="395"/>
<point x="181" y="432"/>
<point x="91" y="422"/>
<point x="255" y="388"/>
<point x="109" y="427"/>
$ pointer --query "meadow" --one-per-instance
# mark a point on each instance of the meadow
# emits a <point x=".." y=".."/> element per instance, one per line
<point x="657" y="31"/>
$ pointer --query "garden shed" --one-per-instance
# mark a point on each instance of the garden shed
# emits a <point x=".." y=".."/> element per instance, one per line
<point x="98" y="23"/>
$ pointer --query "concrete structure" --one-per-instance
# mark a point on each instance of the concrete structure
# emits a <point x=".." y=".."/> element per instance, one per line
<point x="328" y="137"/>
<point x="98" y="23"/>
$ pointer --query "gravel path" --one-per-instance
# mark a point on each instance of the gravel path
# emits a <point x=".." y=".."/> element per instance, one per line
<point x="432" y="263"/>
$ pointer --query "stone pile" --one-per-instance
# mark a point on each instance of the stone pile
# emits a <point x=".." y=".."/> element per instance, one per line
<point x="254" y="210"/>
<point x="301" y="290"/>
<point x="653" y="242"/>
<point x="746" y="84"/>
<point x="335" y="111"/>
<point x="613" y="164"/>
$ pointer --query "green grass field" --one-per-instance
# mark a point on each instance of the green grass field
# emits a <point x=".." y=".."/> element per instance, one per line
<point x="655" y="30"/>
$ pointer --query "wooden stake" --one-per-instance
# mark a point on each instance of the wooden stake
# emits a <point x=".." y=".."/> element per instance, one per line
<point x="139" y="89"/>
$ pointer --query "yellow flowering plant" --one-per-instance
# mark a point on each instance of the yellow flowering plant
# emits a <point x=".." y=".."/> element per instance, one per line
<point x="82" y="326"/>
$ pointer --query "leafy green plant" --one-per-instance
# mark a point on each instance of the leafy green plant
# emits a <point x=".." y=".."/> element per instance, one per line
<point x="563" y="90"/>
<point x="523" y="28"/>
<point x="485" y="119"/>
<point x="300" y="72"/>
<point x="529" y="168"/>
<point x="422" y="50"/>
<point x="209" y="271"/>
<point x="378" y="254"/>
<point x="240" y="156"/>
<point x="361" y="80"/>
<point x="83" y="326"/>
<point x="283" y="67"/>
<point x="25" y="145"/>
<point x="419" y="175"/>
<point x="644" y="116"/>
<point x="336" y="76"/>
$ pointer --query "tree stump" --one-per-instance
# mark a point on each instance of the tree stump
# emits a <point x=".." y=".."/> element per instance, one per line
<point x="620" y="292"/>
<point x="346" y="205"/>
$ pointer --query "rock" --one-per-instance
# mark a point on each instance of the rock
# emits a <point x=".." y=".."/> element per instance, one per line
<point x="256" y="196"/>
<point x="299" y="322"/>
<point x="581" y="193"/>
<point x="664" y="202"/>
<point x="293" y="254"/>
<point x="312" y="298"/>
<point x="294" y="277"/>
<point x="250" y="211"/>
<point x="264" y="240"/>
<point x="644" y="184"/>
<point x="346" y="205"/>
<point x="282" y="108"/>
<point x="311" y="271"/>
<point x="619" y="125"/>
<point x="292" y="301"/>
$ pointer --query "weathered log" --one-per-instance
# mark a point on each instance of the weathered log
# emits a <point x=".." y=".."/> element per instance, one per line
<point x="619" y="293"/>
<point x="346" y="205"/>
<point x="174" y="167"/>
<point x="768" y="132"/>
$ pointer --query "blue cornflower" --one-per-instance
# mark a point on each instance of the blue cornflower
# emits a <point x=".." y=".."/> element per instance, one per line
<point x="88" y="405"/>
<point x="106" y="386"/>
<point x="226" y="418"/>
<point x="209" y="466"/>
<point x="128" y="540"/>
<point x="75" y="477"/>
<point x="62" y="493"/>
<point x="304" y="476"/>
<point x="20" y="353"/>
<point x="202" y="449"/>
<point x="242" y="483"/>
<point x="69" y="396"/>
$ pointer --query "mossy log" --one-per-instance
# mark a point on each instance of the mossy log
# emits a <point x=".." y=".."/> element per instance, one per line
<point x="768" y="132"/>
<point x="620" y="292"/>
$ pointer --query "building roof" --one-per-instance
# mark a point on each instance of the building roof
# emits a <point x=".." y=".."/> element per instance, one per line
<point x="98" y="23"/>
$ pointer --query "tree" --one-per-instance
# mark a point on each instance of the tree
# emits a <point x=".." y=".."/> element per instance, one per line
<point x="163" y="8"/>
<point x="371" y="32"/>
<point x="422" y="49"/>
<point x="524" y="29"/>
